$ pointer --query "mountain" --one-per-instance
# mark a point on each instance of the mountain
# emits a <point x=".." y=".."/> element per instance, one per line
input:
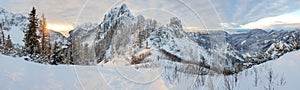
<point x="123" y="37"/>
<point x="250" y="48"/>
<point x="271" y="44"/>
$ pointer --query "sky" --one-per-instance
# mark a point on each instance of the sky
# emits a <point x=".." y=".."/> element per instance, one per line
<point x="196" y="15"/>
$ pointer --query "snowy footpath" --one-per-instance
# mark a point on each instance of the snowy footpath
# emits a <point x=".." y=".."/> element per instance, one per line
<point x="15" y="73"/>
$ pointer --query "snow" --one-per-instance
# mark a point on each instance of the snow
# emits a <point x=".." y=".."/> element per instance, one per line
<point x="243" y="42"/>
<point x="116" y="74"/>
<point x="15" y="73"/>
<point x="16" y="34"/>
<point x="285" y="67"/>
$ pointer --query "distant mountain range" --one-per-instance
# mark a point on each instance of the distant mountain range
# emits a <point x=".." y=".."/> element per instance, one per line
<point x="122" y="36"/>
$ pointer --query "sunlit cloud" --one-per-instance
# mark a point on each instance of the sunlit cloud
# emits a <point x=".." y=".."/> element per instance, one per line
<point x="290" y="20"/>
<point x="59" y="27"/>
<point x="192" y="28"/>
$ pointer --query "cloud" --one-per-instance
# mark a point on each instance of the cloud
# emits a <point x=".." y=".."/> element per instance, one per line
<point x="230" y="25"/>
<point x="243" y="12"/>
<point x="286" y="26"/>
<point x="277" y="22"/>
<point x="203" y="14"/>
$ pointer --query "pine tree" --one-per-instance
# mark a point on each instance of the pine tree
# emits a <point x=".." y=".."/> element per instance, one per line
<point x="56" y="56"/>
<point x="68" y="56"/>
<point x="2" y="42"/>
<point x="48" y="56"/>
<point x="32" y="45"/>
<point x="1" y="36"/>
<point x="9" y="44"/>
<point x="44" y="37"/>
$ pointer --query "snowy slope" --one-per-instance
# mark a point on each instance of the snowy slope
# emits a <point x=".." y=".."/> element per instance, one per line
<point x="16" y="73"/>
<point x="280" y="74"/>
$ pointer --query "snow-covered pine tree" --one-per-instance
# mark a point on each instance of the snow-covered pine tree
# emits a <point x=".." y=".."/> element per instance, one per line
<point x="68" y="59"/>
<point x="9" y="44"/>
<point x="49" y="55"/>
<point x="1" y="36"/>
<point x="56" y="55"/>
<point x="32" y="45"/>
<point x="2" y="42"/>
<point x="294" y="42"/>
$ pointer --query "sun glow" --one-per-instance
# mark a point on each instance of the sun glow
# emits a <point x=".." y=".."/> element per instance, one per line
<point x="62" y="28"/>
<point x="59" y="27"/>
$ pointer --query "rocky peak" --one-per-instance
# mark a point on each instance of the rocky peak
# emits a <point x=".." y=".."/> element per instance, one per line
<point x="124" y="10"/>
<point x="118" y="12"/>
<point x="114" y="16"/>
<point x="176" y="22"/>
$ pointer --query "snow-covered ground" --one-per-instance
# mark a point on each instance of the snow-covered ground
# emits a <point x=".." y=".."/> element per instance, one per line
<point x="285" y="74"/>
<point x="280" y="74"/>
<point x="15" y="73"/>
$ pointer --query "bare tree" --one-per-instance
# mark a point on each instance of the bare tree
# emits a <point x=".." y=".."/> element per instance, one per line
<point x="210" y="84"/>
<point x="255" y="77"/>
<point x="282" y="80"/>
<point x="227" y="83"/>
<point x="235" y="78"/>
<point x="270" y="77"/>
